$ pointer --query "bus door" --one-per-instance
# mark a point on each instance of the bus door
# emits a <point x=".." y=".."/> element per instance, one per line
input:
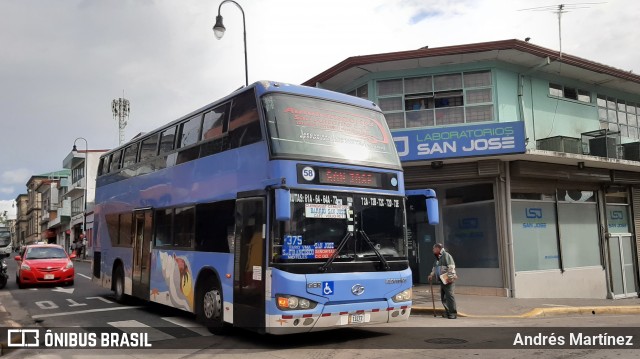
<point x="249" y="264"/>
<point x="141" y="252"/>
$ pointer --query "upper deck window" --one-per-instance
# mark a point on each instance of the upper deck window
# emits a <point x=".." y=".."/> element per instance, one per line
<point x="149" y="147"/>
<point x="115" y="161"/>
<point x="302" y="127"/>
<point x="130" y="155"/>
<point x="244" y="123"/>
<point x="190" y="131"/>
<point x="215" y="122"/>
<point x="167" y="140"/>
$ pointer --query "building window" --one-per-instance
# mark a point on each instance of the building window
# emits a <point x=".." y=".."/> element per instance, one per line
<point x="77" y="173"/>
<point x="536" y="225"/>
<point x="619" y="115"/>
<point x="469" y="222"/>
<point x="362" y="92"/>
<point x="437" y="100"/>
<point x="570" y="93"/>
<point x="77" y="206"/>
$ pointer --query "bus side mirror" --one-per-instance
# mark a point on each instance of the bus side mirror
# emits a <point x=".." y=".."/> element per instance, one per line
<point x="283" y="204"/>
<point x="432" y="211"/>
<point x="433" y="216"/>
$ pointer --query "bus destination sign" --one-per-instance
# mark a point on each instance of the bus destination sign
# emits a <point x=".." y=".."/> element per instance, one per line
<point x="346" y="177"/>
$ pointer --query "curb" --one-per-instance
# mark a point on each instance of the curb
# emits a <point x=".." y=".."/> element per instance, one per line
<point x="544" y="312"/>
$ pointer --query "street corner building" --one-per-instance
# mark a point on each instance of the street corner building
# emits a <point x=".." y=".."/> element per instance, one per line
<point x="534" y="154"/>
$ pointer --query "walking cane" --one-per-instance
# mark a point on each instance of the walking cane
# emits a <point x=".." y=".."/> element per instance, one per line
<point x="433" y="300"/>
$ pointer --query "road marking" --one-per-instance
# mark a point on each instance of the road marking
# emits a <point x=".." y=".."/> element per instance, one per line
<point x="82" y="275"/>
<point x="194" y="327"/>
<point x="81" y="312"/>
<point x="74" y="303"/>
<point x="63" y="290"/>
<point x="102" y="299"/>
<point x="133" y="326"/>
<point x="46" y="304"/>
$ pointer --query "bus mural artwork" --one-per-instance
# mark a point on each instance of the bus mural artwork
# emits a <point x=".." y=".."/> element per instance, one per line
<point x="175" y="287"/>
<point x="279" y="208"/>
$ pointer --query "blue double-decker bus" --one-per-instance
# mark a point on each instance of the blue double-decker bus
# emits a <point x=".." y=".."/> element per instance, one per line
<point x="279" y="208"/>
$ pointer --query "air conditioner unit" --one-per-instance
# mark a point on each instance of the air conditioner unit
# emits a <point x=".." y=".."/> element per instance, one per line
<point x="631" y="151"/>
<point x="603" y="143"/>
<point x="603" y="147"/>
<point x="560" y="144"/>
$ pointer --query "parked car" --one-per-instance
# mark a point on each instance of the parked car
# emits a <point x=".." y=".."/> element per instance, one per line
<point x="43" y="264"/>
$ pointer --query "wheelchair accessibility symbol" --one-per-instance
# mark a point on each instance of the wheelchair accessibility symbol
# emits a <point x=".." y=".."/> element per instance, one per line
<point x="327" y="288"/>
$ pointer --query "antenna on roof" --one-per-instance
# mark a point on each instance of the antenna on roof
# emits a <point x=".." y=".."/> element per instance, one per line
<point x="561" y="9"/>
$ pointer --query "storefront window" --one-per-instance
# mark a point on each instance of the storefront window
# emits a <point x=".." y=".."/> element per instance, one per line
<point x="470" y="226"/>
<point x="579" y="234"/>
<point x="534" y="235"/>
<point x="536" y="226"/>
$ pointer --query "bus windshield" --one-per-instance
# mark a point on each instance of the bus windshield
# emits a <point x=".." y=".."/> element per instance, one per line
<point x="321" y="221"/>
<point x="301" y="127"/>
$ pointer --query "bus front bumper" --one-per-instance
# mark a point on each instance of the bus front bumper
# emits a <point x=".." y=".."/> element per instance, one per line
<point x="339" y="316"/>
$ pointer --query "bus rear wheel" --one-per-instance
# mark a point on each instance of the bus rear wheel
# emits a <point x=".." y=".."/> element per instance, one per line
<point x="210" y="308"/>
<point x="118" y="285"/>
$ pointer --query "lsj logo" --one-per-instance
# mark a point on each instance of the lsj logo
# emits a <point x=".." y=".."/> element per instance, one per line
<point x="533" y="212"/>
<point x="23" y="338"/>
<point x="617" y="215"/>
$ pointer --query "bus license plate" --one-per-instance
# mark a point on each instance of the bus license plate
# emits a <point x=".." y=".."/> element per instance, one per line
<point x="48" y="276"/>
<point x="357" y="318"/>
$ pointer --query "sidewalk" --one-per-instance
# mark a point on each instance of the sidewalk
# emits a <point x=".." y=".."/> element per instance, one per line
<point x="501" y="307"/>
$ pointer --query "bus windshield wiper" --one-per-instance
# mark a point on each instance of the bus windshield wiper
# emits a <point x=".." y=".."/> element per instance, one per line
<point x="385" y="264"/>
<point x="342" y="243"/>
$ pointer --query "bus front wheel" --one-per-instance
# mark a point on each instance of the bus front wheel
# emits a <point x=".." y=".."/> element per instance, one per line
<point x="118" y="284"/>
<point x="210" y="308"/>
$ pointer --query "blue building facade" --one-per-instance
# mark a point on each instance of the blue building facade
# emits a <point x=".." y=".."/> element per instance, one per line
<point x="535" y="156"/>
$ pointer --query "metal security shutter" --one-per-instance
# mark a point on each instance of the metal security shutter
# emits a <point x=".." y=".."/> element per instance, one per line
<point x="421" y="175"/>
<point x="635" y="196"/>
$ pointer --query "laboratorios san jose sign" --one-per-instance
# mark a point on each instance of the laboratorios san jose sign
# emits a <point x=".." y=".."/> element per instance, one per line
<point x="460" y="141"/>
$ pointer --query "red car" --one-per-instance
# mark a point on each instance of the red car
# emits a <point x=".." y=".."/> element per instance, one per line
<point x="44" y="263"/>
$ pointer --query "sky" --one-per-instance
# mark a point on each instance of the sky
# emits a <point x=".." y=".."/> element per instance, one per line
<point x="64" y="61"/>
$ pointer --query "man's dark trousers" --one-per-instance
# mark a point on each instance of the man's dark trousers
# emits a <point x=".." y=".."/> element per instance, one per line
<point x="448" y="299"/>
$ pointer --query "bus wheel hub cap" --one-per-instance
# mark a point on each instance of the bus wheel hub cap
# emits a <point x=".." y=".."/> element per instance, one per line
<point x="212" y="304"/>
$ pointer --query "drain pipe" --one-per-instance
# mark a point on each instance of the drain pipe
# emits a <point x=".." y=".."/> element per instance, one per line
<point x="510" y="250"/>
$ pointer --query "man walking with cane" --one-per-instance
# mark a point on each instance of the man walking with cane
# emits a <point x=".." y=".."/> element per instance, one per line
<point x="444" y="270"/>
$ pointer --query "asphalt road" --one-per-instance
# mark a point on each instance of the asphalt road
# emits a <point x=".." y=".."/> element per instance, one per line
<point x="87" y="308"/>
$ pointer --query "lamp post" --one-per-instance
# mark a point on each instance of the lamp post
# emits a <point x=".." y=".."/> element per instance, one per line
<point x="86" y="182"/>
<point x="219" y="29"/>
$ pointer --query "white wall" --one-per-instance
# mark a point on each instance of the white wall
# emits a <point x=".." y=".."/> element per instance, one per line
<point x="588" y="282"/>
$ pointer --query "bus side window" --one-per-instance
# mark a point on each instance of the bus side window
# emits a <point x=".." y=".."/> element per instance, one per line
<point x="215" y="122"/>
<point x="113" y="227"/>
<point x="244" y="124"/>
<point x="126" y="236"/>
<point x="167" y="140"/>
<point x="105" y="165"/>
<point x="130" y="155"/>
<point x="184" y="231"/>
<point x="149" y="148"/>
<point x="215" y="223"/>
<point x="164" y="227"/>
<point x="100" y="166"/>
<point x="115" y="161"/>
<point x="190" y="131"/>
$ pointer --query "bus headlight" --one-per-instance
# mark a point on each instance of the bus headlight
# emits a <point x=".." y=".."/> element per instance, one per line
<point x="403" y="296"/>
<point x="291" y="302"/>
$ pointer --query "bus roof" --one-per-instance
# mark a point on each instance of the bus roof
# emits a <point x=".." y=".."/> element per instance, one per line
<point x="263" y="87"/>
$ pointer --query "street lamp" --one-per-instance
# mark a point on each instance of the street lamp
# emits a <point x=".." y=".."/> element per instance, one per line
<point x="219" y="29"/>
<point x="86" y="182"/>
